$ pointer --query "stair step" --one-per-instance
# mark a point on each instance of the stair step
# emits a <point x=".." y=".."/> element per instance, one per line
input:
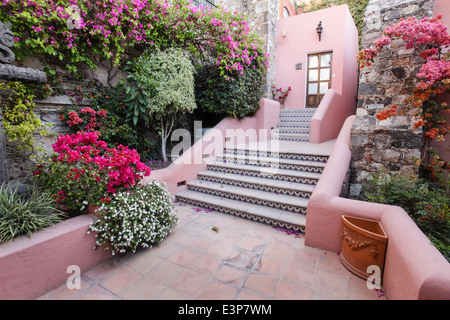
<point x="265" y="172"/>
<point x="275" y="152"/>
<point x="298" y="111"/>
<point x="291" y="130"/>
<point x="264" y="198"/>
<point x="294" y="124"/>
<point x="255" y="183"/>
<point x="291" y="136"/>
<point x="301" y="165"/>
<point x="275" y="217"/>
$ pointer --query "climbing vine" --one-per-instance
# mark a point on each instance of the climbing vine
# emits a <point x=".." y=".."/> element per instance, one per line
<point x="19" y="120"/>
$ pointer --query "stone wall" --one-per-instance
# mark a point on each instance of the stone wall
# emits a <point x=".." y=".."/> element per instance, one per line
<point x="393" y="143"/>
<point x="262" y="17"/>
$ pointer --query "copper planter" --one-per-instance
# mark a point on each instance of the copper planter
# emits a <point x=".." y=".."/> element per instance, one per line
<point x="363" y="244"/>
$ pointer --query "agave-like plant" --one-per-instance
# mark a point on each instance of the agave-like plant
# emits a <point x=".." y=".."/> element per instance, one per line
<point x="26" y="213"/>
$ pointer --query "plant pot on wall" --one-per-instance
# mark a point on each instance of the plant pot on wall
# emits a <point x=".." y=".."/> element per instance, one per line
<point x="363" y="245"/>
<point x="281" y="101"/>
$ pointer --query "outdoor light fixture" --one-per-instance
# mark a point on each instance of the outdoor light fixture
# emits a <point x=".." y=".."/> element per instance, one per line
<point x="283" y="33"/>
<point x="319" y="30"/>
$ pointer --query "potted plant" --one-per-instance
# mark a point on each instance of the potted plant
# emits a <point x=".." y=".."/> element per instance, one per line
<point x="84" y="170"/>
<point x="280" y="95"/>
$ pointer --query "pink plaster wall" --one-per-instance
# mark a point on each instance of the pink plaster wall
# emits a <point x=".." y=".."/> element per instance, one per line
<point x="339" y="35"/>
<point x="185" y="168"/>
<point x="414" y="268"/>
<point x="31" y="267"/>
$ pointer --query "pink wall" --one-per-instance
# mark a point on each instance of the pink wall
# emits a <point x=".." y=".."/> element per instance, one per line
<point x="31" y="267"/>
<point x="414" y="268"/>
<point x="339" y="35"/>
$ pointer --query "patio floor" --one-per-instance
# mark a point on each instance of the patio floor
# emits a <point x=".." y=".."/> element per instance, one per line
<point x="244" y="260"/>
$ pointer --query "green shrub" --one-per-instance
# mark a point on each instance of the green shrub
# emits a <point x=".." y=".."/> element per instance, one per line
<point x="167" y="82"/>
<point x="140" y="217"/>
<point x="236" y="97"/>
<point x="425" y="202"/>
<point x="26" y="213"/>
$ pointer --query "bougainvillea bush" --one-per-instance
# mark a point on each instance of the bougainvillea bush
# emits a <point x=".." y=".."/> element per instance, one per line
<point x="430" y="39"/>
<point x="83" y="169"/>
<point x="142" y="216"/>
<point x="74" y="32"/>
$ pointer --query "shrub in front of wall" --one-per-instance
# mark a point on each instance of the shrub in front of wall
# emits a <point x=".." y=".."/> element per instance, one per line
<point x="142" y="216"/>
<point x="237" y="97"/>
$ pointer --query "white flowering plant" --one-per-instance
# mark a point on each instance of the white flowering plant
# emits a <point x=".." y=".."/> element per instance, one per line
<point x="139" y="217"/>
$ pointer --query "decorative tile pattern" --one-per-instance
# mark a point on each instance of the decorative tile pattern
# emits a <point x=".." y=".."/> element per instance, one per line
<point x="245" y="198"/>
<point x="254" y="186"/>
<point x="240" y="214"/>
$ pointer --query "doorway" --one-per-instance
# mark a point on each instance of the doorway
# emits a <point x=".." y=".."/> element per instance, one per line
<point x="318" y="78"/>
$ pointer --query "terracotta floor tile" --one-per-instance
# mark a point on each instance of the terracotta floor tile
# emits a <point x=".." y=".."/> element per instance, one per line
<point x="184" y="257"/>
<point x="144" y="262"/>
<point x="103" y="270"/>
<point x="301" y="276"/>
<point x="269" y="265"/>
<point x="215" y="290"/>
<point x="165" y="249"/>
<point x="190" y="282"/>
<point x="171" y="294"/>
<point x="165" y="272"/>
<point x="231" y="274"/>
<point x="262" y="283"/>
<point x="64" y="293"/>
<point x="330" y="261"/>
<point x="252" y="244"/>
<point x="120" y="280"/>
<point x="288" y="290"/>
<point x="220" y="249"/>
<point x="303" y="259"/>
<point x="278" y="250"/>
<point x="96" y="293"/>
<point x="245" y="294"/>
<point x="206" y="264"/>
<point x="358" y="290"/>
<point x="242" y="258"/>
<point x="332" y="282"/>
<point x="144" y="289"/>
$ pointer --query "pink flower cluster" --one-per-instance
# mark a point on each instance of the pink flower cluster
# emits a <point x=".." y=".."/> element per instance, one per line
<point x="116" y="167"/>
<point x="105" y="26"/>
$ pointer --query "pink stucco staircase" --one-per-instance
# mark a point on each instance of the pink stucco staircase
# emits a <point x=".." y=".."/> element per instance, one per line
<point x="270" y="186"/>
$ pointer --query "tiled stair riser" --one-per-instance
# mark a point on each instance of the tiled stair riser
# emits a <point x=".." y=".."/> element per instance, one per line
<point x="255" y="186"/>
<point x="244" y="198"/>
<point x="248" y="216"/>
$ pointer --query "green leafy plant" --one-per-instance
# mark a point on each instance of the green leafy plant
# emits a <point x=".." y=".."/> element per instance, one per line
<point x="237" y="97"/>
<point x="140" y="217"/>
<point x="20" y="122"/>
<point x="26" y="213"/>
<point x="166" y="80"/>
<point x="427" y="203"/>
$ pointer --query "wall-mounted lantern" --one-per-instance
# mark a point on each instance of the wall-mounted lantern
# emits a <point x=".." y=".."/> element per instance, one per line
<point x="319" y="30"/>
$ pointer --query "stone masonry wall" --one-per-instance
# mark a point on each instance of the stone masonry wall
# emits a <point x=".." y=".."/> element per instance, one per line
<point x="262" y="17"/>
<point x="393" y="143"/>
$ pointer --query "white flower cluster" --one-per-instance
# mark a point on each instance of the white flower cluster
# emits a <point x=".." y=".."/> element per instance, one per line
<point x="142" y="216"/>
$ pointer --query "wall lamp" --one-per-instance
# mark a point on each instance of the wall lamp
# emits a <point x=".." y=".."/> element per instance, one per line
<point x="319" y="30"/>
